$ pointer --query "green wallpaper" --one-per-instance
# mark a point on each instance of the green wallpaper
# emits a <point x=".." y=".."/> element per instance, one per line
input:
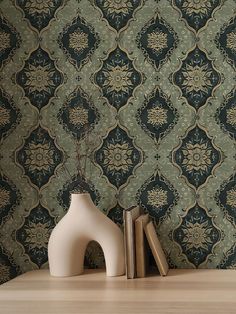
<point x="144" y="93"/>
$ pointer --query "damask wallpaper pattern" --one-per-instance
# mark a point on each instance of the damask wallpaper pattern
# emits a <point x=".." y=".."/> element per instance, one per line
<point x="131" y="100"/>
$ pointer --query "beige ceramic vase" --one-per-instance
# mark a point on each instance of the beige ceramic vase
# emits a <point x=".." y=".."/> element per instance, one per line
<point x="83" y="223"/>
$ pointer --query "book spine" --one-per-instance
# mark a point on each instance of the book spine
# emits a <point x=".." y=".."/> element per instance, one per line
<point x="125" y="242"/>
<point x="130" y="246"/>
<point x="139" y="245"/>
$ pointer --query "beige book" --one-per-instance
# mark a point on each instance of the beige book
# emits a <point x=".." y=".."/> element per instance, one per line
<point x="141" y="245"/>
<point x="156" y="249"/>
<point x="130" y="215"/>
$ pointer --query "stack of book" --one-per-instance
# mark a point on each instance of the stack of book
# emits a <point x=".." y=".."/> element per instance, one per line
<point x="139" y="233"/>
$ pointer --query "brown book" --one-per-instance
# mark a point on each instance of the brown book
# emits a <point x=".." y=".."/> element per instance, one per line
<point x="141" y="245"/>
<point x="130" y="215"/>
<point x="156" y="249"/>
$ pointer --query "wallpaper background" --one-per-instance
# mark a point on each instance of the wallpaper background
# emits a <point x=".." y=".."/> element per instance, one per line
<point x="143" y="92"/>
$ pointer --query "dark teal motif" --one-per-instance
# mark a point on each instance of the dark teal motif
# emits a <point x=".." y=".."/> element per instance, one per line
<point x="157" y="40"/>
<point x="8" y="268"/>
<point x="118" y="13"/>
<point x="34" y="234"/>
<point x="10" y="116"/>
<point x="40" y="157"/>
<point x="116" y="214"/>
<point x="78" y="40"/>
<point x="226" y="41"/>
<point x="118" y="157"/>
<point x="197" y="235"/>
<point x="157" y="197"/>
<point x="226" y="115"/>
<point x="196" y="13"/>
<point x="197" y="78"/>
<point x="39" y="78"/>
<point x="229" y="260"/>
<point x="39" y="13"/>
<point x="118" y="78"/>
<point x="9" y="197"/>
<point x="226" y="198"/>
<point x="10" y="40"/>
<point x="157" y="116"/>
<point x="197" y="156"/>
<point x="76" y="184"/>
<point x="78" y="115"/>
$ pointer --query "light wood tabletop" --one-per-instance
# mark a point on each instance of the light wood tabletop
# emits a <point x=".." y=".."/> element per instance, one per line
<point x="181" y="292"/>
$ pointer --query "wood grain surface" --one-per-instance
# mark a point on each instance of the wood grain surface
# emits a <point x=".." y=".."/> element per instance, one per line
<point x="181" y="292"/>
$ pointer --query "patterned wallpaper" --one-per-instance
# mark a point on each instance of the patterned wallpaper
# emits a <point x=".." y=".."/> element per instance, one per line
<point x="131" y="100"/>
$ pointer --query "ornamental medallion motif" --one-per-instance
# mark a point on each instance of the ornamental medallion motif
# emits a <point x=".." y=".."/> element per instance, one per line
<point x="10" y="40"/>
<point x="78" y="40"/>
<point x="9" y="197"/>
<point x="197" y="78"/>
<point x="78" y="115"/>
<point x="10" y="116"/>
<point x="118" y="78"/>
<point x="39" y="157"/>
<point x="39" y="13"/>
<point x="34" y="234"/>
<point x="226" y="114"/>
<point x="39" y="78"/>
<point x="226" y="41"/>
<point x="157" y="40"/>
<point x="196" y="157"/>
<point x="76" y="184"/>
<point x="226" y="198"/>
<point x="157" y="116"/>
<point x="118" y="157"/>
<point x="157" y="196"/>
<point x="197" y="235"/>
<point x="118" y="13"/>
<point x="197" y="13"/>
<point x="8" y="268"/>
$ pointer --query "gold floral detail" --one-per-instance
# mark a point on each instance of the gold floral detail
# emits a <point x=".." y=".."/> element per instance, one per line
<point x="4" y="116"/>
<point x="38" y="235"/>
<point x="39" y="78"/>
<point x="4" y="197"/>
<point x="78" y="40"/>
<point x="117" y="78"/>
<point x="4" y="41"/>
<point x="197" y="235"/>
<point x="200" y="7"/>
<point x="197" y="157"/>
<point x="231" y="116"/>
<point x="39" y="157"/>
<point x="231" y="41"/>
<point x="117" y="6"/>
<point x="39" y="6"/>
<point x="78" y="116"/>
<point x="157" y="116"/>
<point x="197" y="78"/>
<point x="231" y="197"/>
<point x="4" y="273"/>
<point x="157" y="197"/>
<point x="157" y="41"/>
<point x="118" y="157"/>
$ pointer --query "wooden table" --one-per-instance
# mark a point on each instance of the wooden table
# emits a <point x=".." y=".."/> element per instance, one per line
<point x="181" y="292"/>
